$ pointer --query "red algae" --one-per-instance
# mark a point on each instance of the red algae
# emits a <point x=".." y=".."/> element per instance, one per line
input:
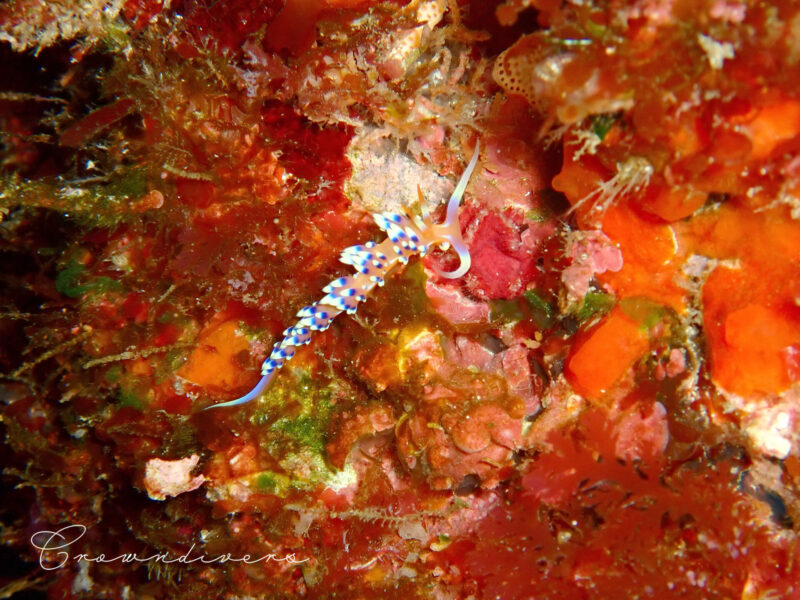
<point x="605" y="405"/>
<point x="612" y="526"/>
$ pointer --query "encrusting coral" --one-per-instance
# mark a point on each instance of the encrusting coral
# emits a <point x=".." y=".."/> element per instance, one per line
<point x="602" y="404"/>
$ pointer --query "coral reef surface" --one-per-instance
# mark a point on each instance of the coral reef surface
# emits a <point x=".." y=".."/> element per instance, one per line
<point x="604" y="406"/>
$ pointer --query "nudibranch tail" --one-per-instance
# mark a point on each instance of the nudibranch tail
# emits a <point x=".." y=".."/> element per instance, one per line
<point x="406" y="236"/>
<point x="262" y="385"/>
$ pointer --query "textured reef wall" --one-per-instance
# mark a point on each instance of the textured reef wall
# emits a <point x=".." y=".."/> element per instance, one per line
<point x="604" y="406"/>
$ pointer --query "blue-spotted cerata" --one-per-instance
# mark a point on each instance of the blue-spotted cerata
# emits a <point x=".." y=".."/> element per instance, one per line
<point x="407" y="235"/>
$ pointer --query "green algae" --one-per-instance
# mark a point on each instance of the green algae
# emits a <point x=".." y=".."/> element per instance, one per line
<point x="103" y="204"/>
<point x="506" y="311"/>
<point x="68" y="282"/>
<point x="594" y="304"/>
<point x="542" y="312"/>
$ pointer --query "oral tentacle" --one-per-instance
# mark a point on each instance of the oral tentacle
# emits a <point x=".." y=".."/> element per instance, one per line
<point x="466" y="261"/>
<point x="455" y="198"/>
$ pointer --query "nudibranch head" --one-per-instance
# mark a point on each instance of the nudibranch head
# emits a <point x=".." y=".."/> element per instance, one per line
<point x="450" y="231"/>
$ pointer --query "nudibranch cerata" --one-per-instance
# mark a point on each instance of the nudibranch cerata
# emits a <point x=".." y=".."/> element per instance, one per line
<point x="407" y="235"/>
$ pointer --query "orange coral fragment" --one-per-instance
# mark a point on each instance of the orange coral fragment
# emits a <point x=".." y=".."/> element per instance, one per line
<point x="761" y="328"/>
<point x="578" y="180"/>
<point x="212" y="362"/>
<point x="774" y="124"/>
<point x="672" y="203"/>
<point x="649" y="250"/>
<point x="606" y="355"/>
<point x="750" y="324"/>
<point x="753" y="358"/>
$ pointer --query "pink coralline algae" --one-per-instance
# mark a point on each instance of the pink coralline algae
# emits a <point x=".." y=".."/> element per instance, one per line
<point x="451" y="303"/>
<point x="591" y="253"/>
<point x="164" y="478"/>
<point x="603" y="405"/>
<point x="502" y="265"/>
<point x="453" y="448"/>
<point x="642" y="432"/>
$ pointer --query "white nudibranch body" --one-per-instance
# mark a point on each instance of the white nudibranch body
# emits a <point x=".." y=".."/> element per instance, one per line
<point x="407" y="235"/>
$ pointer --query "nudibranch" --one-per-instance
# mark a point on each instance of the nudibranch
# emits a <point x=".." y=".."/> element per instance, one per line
<point x="407" y="235"/>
